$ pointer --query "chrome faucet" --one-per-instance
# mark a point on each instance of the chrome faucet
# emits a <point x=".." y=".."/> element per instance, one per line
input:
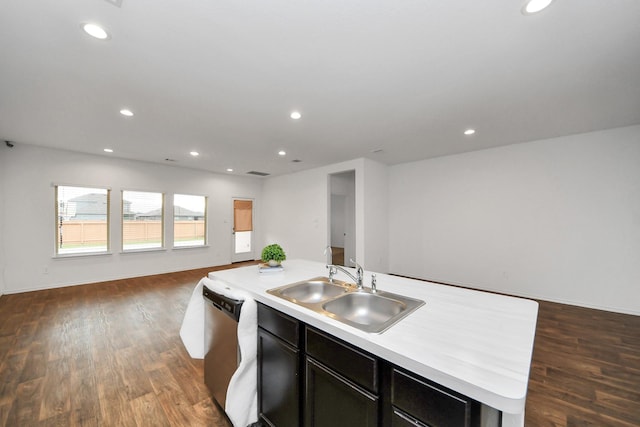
<point x="332" y="268"/>
<point x="358" y="278"/>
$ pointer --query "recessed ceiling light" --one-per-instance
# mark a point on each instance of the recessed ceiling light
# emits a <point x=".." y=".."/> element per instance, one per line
<point x="535" y="6"/>
<point x="295" y="115"/>
<point x="95" y="31"/>
<point x="282" y="153"/>
<point x="126" y="112"/>
<point x="194" y="153"/>
<point x="108" y="150"/>
<point x="229" y="170"/>
<point x="469" y="131"/>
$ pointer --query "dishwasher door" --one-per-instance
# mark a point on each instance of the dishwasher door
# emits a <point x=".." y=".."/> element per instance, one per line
<point x="222" y="355"/>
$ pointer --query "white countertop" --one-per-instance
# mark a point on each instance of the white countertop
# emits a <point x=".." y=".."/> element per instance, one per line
<point x="477" y="343"/>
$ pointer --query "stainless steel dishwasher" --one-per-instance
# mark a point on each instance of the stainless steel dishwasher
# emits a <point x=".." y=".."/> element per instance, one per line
<point x="222" y="355"/>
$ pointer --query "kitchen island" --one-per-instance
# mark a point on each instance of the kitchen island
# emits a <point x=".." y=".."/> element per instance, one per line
<point x="476" y="343"/>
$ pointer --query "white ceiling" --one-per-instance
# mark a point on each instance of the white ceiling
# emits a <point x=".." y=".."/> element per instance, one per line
<point x="403" y="76"/>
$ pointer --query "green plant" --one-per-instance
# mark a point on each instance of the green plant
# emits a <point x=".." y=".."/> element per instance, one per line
<point x="273" y="252"/>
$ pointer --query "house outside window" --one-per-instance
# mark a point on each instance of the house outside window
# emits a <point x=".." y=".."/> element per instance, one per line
<point x="189" y="220"/>
<point x="82" y="220"/>
<point x="142" y="220"/>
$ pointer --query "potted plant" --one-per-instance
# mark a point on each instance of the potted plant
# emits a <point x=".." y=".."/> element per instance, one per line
<point x="273" y="254"/>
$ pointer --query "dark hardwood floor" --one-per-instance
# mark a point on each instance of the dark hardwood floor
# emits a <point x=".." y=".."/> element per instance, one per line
<point x="104" y="354"/>
<point x="109" y="354"/>
<point x="586" y="368"/>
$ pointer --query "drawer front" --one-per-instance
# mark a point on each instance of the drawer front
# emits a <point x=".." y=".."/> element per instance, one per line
<point x="400" y="419"/>
<point x="279" y="324"/>
<point x="353" y="364"/>
<point x="430" y="403"/>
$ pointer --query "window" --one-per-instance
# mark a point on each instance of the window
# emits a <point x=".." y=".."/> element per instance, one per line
<point x="142" y="220"/>
<point x="189" y="220"/>
<point x="82" y="220"/>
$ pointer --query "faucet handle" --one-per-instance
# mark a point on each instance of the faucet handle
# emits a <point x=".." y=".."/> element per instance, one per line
<point x="359" y="272"/>
<point x="374" y="283"/>
<point x="359" y="268"/>
<point x="332" y="272"/>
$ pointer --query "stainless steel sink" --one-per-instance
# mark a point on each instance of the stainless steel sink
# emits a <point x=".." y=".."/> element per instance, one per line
<point x="312" y="291"/>
<point x="362" y="309"/>
<point x="365" y="309"/>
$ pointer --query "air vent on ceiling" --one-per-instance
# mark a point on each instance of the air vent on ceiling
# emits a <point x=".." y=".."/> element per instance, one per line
<point x="257" y="173"/>
<point x="169" y="160"/>
<point x="296" y="161"/>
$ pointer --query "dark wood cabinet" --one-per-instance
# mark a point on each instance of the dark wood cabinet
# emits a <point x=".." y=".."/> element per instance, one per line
<point x="341" y="383"/>
<point x="356" y="365"/>
<point x="402" y="419"/>
<point x="331" y="400"/>
<point x="309" y="378"/>
<point x="279" y="368"/>
<point x="417" y="401"/>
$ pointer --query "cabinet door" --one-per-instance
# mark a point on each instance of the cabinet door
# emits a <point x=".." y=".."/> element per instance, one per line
<point x="431" y="403"/>
<point x="278" y="384"/>
<point x="333" y="401"/>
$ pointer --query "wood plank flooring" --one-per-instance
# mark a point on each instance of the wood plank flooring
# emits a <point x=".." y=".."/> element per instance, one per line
<point x="586" y="368"/>
<point x="104" y="354"/>
<point x="109" y="354"/>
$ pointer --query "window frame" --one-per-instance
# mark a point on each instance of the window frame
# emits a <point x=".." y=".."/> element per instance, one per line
<point x="205" y="241"/>
<point x="57" y="227"/>
<point x="162" y="246"/>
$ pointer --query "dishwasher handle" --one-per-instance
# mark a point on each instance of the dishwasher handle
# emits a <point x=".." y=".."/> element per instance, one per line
<point x="229" y="306"/>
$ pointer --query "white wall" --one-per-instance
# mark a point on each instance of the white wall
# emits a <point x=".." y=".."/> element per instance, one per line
<point x="3" y="179"/>
<point x="296" y="210"/>
<point x="375" y="216"/>
<point x="338" y="218"/>
<point x="29" y="173"/>
<point x="556" y="219"/>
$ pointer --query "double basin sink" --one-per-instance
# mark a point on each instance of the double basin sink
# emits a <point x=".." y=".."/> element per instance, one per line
<point x="364" y="309"/>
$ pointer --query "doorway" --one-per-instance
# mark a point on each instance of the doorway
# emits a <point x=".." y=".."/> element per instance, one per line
<point x="342" y="217"/>
<point x="242" y="230"/>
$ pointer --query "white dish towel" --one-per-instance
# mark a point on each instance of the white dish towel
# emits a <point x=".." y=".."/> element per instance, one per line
<point x="242" y="395"/>
<point x="192" y="329"/>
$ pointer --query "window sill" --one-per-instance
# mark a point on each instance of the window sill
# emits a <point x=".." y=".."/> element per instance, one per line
<point x="142" y="250"/>
<point x="190" y="247"/>
<point x="81" y="255"/>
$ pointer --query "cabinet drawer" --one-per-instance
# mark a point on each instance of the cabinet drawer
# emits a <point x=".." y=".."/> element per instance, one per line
<point x="279" y="324"/>
<point x="400" y="419"/>
<point x="430" y="403"/>
<point x="353" y="364"/>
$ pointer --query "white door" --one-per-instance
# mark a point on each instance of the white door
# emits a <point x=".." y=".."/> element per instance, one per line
<point x="242" y="241"/>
